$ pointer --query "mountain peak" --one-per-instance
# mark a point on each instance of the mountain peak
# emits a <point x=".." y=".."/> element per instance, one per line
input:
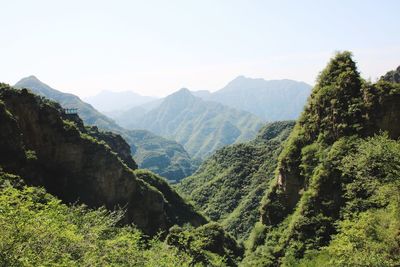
<point x="182" y="93"/>
<point x="31" y="78"/>
<point x="31" y="82"/>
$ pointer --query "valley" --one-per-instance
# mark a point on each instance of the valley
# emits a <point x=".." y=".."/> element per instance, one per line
<point x="288" y="193"/>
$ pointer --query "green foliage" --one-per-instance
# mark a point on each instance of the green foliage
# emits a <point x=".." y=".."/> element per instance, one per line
<point x="30" y="155"/>
<point x="334" y="185"/>
<point x="228" y="186"/>
<point x="208" y="244"/>
<point x="368" y="233"/>
<point x="37" y="230"/>
<point x="178" y="210"/>
<point x="38" y="143"/>
<point x="392" y="76"/>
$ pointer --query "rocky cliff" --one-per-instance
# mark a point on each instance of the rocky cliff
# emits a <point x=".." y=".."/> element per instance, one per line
<point x="318" y="182"/>
<point x="78" y="164"/>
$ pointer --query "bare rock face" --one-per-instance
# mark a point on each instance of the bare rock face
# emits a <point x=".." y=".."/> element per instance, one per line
<point x="74" y="165"/>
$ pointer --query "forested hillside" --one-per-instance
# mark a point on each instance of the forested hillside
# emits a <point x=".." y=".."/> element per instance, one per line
<point x="323" y="191"/>
<point x="200" y="126"/>
<point x="228" y="186"/>
<point x="68" y="198"/>
<point x="46" y="148"/>
<point x="335" y="198"/>
<point x="167" y="158"/>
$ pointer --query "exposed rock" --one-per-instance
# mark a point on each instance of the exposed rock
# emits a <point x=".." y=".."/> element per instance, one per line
<point x="75" y="166"/>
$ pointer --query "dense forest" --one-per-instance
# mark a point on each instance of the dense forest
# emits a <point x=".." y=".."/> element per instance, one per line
<point x="228" y="186"/>
<point x="321" y="191"/>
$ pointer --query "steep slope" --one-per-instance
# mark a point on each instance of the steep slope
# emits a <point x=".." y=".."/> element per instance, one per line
<point x="162" y="156"/>
<point x="271" y="100"/>
<point x="107" y="101"/>
<point x="37" y="229"/>
<point x="88" y="114"/>
<point x="47" y="148"/>
<point x="200" y="126"/>
<point x="173" y="167"/>
<point x="228" y="186"/>
<point x="336" y="172"/>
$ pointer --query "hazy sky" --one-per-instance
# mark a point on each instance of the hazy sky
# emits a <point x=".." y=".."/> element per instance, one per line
<point x="156" y="47"/>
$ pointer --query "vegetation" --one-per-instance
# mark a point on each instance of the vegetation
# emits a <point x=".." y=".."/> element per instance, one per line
<point x="38" y="230"/>
<point x="199" y="242"/>
<point x="78" y="163"/>
<point x="330" y="187"/>
<point x="335" y="198"/>
<point x="164" y="157"/>
<point x="200" y="126"/>
<point x="229" y="185"/>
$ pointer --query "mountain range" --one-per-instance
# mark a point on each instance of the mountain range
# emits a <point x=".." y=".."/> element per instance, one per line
<point x="200" y="126"/>
<point x="323" y="191"/>
<point x="204" y="121"/>
<point x="167" y="158"/>
<point x="271" y="100"/>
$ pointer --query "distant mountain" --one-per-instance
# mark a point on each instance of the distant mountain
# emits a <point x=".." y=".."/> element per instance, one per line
<point x="200" y="126"/>
<point x="88" y="114"/>
<point x="107" y="101"/>
<point x="162" y="156"/>
<point x="176" y="162"/>
<point x="135" y="113"/>
<point x="229" y="185"/>
<point x="271" y="100"/>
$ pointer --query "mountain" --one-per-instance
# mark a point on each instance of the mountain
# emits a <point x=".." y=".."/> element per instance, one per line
<point x="162" y="156"/>
<point x="271" y="100"/>
<point x="335" y="198"/>
<point x="67" y="198"/>
<point x="200" y="126"/>
<point x="54" y="150"/>
<point x="229" y="185"/>
<point x="107" y="101"/>
<point x="88" y="114"/>
<point x="175" y="162"/>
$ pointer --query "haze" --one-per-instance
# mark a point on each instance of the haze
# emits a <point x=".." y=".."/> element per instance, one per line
<point x="157" y="47"/>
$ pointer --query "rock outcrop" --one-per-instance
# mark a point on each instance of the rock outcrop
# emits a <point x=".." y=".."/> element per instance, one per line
<point x="77" y="166"/>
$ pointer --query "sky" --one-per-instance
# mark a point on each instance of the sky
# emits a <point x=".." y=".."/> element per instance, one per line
<point x="156" y="47"/>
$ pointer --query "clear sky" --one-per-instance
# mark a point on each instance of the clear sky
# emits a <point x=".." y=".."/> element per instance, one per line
<point x="156" y="47"/>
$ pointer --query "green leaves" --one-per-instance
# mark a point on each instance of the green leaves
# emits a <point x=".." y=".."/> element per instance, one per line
<point x="36" y="229"/>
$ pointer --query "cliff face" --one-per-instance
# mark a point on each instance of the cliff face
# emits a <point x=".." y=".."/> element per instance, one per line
<point x="164" y="157"/>
<point x="301" y="210"/>
<point x="73" y="164"/>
